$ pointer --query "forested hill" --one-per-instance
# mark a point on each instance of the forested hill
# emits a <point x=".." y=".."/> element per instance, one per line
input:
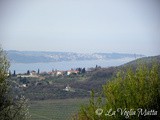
<point x="148" y="61"/>
<point x="145" y="60"/>
<point x="41" y="56"/>
<point x="99" y="76"/>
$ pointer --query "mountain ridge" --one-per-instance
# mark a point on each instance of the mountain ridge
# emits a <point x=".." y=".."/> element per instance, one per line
<point x="51" y="56"/>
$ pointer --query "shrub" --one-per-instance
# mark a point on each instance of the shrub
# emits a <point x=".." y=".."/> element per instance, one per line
<point x="130" y="95"/>
<point x="11" y="107"/>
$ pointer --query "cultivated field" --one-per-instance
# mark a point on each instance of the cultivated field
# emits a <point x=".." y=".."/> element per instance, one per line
<point x="61" y="109"/>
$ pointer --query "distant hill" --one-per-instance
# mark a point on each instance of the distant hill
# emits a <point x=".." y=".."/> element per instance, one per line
<point x="145" y="60"/>
<point x="41" y="56"/>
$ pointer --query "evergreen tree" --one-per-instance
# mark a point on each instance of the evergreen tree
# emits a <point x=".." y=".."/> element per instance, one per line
<point x="14" y="73"/>
<point x="79" y="70"/>
<point x="28" y="72"/>
<point x="38" y="71"/>
<point x="83" y="70"/>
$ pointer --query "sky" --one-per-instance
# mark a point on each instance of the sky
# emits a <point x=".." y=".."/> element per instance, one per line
<point x="83" y="26"/>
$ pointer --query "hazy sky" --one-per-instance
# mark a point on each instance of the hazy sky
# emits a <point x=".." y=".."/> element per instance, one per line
<point x="128" y="26"/>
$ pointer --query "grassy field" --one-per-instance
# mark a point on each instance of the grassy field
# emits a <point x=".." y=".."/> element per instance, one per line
<point x="55" y="109"/>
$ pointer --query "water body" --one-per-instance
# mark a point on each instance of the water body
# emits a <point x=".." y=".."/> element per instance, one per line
<point x="66" y="65"/>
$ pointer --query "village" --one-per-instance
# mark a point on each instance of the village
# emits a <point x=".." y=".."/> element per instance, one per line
<point x="56" y="84"/>
<point x="57" y="73"/>
<point x="42" y="76"/>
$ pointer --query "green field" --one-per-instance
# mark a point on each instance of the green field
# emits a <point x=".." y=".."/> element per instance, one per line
<point x="61" y="109"/>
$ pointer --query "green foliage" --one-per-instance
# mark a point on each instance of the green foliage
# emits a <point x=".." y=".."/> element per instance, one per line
<point x="4" y="65"/>
<point x="10" y="108"/>
<point x="129" y="90"/>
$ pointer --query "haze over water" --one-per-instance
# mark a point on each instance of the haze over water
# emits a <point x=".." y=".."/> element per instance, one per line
<point x="66" y="65"/>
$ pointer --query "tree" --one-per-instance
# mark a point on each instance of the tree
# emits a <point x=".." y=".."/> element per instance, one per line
<point x="79" y="70"/>
<point x="14" y="73"/>
<point x="38" y="72"/>
<point x="10" y="108"/>
<point x="83" y="70"/>
<point x="130" y="90"/>
<point x="28" y="72"/>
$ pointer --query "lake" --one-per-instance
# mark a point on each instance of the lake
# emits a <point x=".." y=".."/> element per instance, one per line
<point x="66" y="65"/>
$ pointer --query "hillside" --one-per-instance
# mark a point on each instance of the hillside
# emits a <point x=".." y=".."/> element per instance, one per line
<point x="145" y="60"/>
<point x="132" y="90"/>
<point x="41" y="56"/>
<point x="53" y="87"/>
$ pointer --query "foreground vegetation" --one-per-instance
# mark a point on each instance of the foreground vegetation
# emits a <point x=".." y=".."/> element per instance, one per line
<point x="11" y="107"/>
<point x="132" y="94"/>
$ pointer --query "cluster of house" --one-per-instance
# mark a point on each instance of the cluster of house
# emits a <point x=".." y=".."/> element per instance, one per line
<point x="30" y="74"/>
<point x="53" y="73"/>
<point x="61" y="73"/>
